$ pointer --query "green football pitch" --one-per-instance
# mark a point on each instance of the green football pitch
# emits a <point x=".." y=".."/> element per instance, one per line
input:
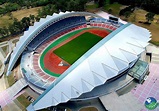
<point x="74" y="49"/>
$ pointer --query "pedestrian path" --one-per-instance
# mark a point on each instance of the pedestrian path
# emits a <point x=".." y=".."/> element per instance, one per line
<point x="150" y="88"/>
<point x="155" y="58"/>
<point x="8" y="95"/>
<point x="155" y="53"/>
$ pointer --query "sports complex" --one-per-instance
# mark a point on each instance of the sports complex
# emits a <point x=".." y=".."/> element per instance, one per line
<point x="79" y="56"/>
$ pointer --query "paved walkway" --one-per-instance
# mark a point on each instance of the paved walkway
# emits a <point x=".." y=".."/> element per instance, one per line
<point x="150" y="88"/>
<point x="126" y="102"/>
<point x="155" y="53"/>
<point x="7" y="96"/>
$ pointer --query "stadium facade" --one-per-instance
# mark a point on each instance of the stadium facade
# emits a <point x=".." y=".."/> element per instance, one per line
<point x="112" y="56"/>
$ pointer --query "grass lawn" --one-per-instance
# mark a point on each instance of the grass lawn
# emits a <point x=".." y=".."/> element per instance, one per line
<point x="19" y="14"/>
<point x="5" y="21"/>
<point x="139" y="15"/>
<point x="91" y="6"/>
<point x="25" y="12"/>
<point x="74" y="49"/>
<point x="10" y="79"/>
<point x="22" y="99"/>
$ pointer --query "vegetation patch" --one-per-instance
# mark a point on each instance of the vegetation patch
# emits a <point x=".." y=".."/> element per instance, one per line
<point x="10" y="79"/>
<point x="155" y="42"/>
<point x="91" y="6"/>
<point x="22" y="99"/>
<point x="25" y="13"/>
<point x="113" y="8"/>
<point x="5" y="21"/>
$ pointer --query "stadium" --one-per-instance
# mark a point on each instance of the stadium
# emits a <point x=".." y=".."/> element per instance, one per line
<point x="73" y="56"/>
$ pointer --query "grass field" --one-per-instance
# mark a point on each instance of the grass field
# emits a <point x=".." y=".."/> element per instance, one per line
<point x="5" y="21"/>
<point x="25" y="12"/>
<point x="22" y="99"/>
<point x="74" y="49"/>
<point x="19" y="14"/>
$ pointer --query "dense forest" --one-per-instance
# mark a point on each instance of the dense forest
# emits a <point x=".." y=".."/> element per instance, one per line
<point x="13" y="5"/>
<point x="51" y="6"/>
<point x="149" y="5"/>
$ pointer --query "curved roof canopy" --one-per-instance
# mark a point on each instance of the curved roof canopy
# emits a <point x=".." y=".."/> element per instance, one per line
<point x="107" y="59"/>
<point x="35" y="30"/>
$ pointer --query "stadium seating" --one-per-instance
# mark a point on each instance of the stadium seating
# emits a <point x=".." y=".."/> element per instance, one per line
<point x="29" y="62"/>
<point x="102" y="20"/>
<point x="104" y="25"/>
<point x="32" y="73"/>
<point x="63" y="26"/>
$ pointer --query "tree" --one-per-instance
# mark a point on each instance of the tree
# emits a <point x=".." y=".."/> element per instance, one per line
<point x="127" y="14"/>
<point x="32" y="19"/>
<point x="101" y="3"/>
<point x="110" y="11"/>
<point x="25" y="22"/>
<point x="16" y="27"/>
<point x="4" y="32"/>
<point x="149" y="17"/>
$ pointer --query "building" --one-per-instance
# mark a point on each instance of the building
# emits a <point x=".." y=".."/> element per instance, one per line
<point x="108" y="60"/>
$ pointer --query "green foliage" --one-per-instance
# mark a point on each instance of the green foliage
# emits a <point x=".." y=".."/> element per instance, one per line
<point x="75" y="5"/>
<point x="47" y="10"/>
<point x="149" y="16"/>
<point x="101" y="3"/>
<point x="22" y="99"/>
<point x="107" y="2"/>
<point x="149" y="5"/>
<point x="15" y="27"/>
<point x="25" y="22"/>
<point x="115" y="8"/>
<point x="155" y="42"/>
<point x="127" y="11"/>
<point x="92" y="6"/>
<point x="110" y="11"/>
<point x="4" y="32"/>
<point x="10" y="79"/>
<point x="8" y="7"/>
<point x="127" y="14"/>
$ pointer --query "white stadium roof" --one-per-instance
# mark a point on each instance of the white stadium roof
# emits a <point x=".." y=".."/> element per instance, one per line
<point x="107" y="59"/>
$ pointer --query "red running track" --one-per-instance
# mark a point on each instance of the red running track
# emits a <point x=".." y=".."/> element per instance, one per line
<point x="52" y="61"/>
